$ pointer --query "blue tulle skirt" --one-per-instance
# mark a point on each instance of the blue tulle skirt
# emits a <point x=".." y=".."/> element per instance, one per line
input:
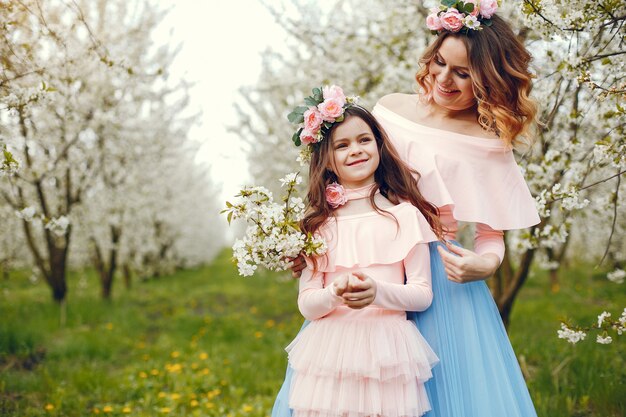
<point x="478" y="374"/>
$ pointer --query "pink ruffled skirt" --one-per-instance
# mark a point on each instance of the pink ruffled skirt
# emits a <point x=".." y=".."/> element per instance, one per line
<point x="360" y="363"/>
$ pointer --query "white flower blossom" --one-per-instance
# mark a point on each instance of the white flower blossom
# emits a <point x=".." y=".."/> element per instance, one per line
<point x="58" y="226"/>
<point x="26" y="213"/>
<point x="570" y="335"/>
<point x="603" y="316"/>
<point x="617" y="276"/>
<point x="273" y="235"/>
<point x="604" y="340"/>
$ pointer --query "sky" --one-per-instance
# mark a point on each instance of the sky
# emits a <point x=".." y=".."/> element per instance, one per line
<point x="221" y="46"/>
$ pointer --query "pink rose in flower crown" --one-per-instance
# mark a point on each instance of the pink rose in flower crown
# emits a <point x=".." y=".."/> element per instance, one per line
<point x="451" y="20"/>
<point x="433" y="22"/>
<point x="334" y="91"/>
<point x="488" y="8"/>
<point x="330" y="109"/>
<point x="335" y="195"/>
<point x="312" y="120"/>
<point x="308" y="137"/>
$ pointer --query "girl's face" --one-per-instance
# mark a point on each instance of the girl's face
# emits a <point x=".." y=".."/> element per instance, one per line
<point x="452" y="84"/>
<point x="354" y="153"/>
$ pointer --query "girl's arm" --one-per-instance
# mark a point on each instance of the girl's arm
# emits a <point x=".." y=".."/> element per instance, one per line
<point x="416" y="294"/>
<point x="462" y="265"/>
<point x="315" y="301"/>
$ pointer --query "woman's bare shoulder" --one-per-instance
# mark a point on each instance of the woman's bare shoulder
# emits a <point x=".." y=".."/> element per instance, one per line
<point x="395" y="101"/>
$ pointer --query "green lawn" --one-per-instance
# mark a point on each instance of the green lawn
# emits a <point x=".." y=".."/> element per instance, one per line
<point x="207" y="342"/>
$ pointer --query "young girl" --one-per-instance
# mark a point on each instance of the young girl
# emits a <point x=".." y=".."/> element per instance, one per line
<point x="360" y="356"/>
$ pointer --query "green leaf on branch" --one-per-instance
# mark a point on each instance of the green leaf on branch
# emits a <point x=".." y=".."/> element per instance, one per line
<point x="310" y="101"/>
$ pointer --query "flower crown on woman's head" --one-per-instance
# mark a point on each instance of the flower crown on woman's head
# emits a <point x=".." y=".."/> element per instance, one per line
<point x="461" y="16"/>
<point x="324" y="108"/>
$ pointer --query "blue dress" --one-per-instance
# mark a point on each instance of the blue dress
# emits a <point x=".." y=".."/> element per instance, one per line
<point x="478" y="374"/>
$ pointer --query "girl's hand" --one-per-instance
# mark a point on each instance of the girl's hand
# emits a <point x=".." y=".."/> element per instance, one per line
<point x="463" y="265"/>
<point x="341" y="284"/>
<point x="361" y="291"/>
<point x="297" y="265"/>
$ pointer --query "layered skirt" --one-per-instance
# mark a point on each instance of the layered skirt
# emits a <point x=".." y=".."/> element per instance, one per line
<point x="372" y="365"/>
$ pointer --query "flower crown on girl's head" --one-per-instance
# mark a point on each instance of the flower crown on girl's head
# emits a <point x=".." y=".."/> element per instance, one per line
<point x="461" y="16"/>
<point x="322" y="109"/>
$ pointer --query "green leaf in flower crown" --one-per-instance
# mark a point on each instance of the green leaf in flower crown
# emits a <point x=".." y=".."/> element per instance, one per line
<point x="486" y="22"/>
<point x="297" y="115"/>
<point x="327" y="124"/>
<point x="310" y="101"/>
<point x="318" y="95"/>
<point x="468" y="8"/>
<point x="449" y="3"/>
<point x="339" y="119"/>
<point x="296" y="137"/>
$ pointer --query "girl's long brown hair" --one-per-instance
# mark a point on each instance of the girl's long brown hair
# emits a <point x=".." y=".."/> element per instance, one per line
<point x="395" y="179"/>
<point x="498" y="66"/>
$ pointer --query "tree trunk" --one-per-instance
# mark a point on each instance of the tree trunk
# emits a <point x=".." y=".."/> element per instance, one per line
<point x="514" y="282"/>
<point x="58" y="271"/>
<point x="128" y="275"/>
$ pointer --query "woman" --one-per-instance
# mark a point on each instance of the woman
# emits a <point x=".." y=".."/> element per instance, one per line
<point x="473" y="106"/>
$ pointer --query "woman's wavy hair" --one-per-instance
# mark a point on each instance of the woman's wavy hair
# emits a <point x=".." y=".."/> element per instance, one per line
<point x="395" y="179"/>
<point x="499" y="69"/>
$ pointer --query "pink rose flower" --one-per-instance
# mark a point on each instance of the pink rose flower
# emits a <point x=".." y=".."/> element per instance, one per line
<point x="334" y="91"/>
<point x="451" y="20"/>
<point x="488" y="8"/>
<point x="330" y="109"/>
<point x="335" y="195"/>
<point x="433" y="22"/>
<point x="312" y="120"/>
<point x="308" y="137"/>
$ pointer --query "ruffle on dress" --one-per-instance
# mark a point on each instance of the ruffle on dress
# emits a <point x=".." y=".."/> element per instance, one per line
<point x="368" y="367"/>
<point x="478" y="177"/>
<point x="355" y="243"/>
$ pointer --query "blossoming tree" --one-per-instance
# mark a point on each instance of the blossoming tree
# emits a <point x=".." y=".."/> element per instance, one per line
<point x="99" y="140"/>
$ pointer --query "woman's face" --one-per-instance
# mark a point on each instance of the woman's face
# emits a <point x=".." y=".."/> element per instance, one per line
<point x="449" y="68"/>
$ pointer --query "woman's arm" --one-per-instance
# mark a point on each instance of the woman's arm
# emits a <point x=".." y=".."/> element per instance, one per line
<point x="315" y="301"/>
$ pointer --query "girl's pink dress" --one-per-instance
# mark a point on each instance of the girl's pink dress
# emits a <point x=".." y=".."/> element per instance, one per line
<point x="373" y="361"/>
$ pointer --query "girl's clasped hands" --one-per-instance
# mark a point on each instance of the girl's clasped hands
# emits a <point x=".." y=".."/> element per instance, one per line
<point x="357" y="289"/>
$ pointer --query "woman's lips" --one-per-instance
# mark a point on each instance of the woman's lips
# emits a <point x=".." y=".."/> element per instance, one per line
<point x="445" y="91"/>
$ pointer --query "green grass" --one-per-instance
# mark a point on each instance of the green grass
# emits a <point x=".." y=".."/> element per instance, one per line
<point x="207" y="342"/>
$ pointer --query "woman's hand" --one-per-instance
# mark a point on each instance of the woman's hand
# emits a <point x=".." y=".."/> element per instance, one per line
<point x="297" y="265"/>
<point x="361" y="291"/>
<point x="463" y="265"/>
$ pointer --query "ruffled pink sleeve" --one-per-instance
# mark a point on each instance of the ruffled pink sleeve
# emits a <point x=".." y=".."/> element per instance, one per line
<point x="315" y="301"/>
<point x="417" y="293"/>
<point x="488" y="240"/>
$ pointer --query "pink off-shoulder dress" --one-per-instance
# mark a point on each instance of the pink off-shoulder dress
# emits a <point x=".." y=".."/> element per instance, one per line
<point x="373" y="361"/>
